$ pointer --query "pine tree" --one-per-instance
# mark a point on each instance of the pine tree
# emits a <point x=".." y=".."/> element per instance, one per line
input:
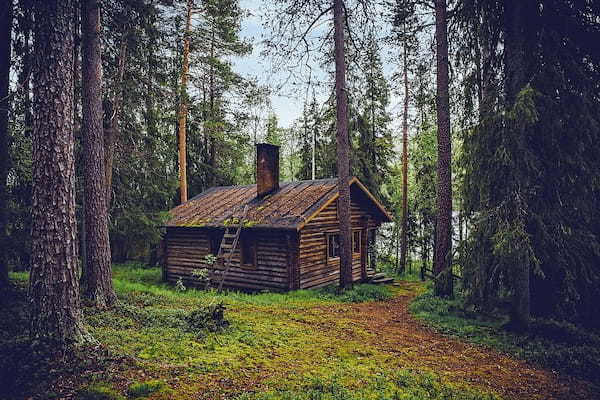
<point x="97" y="273"/>
<point x="537" y="85"/>
<point x="6" y="18"/>
<point x="183" y="106"/>
<point x="54" y="283"/>
<point x="443" y="252"/>
<point x="343" y="147"/>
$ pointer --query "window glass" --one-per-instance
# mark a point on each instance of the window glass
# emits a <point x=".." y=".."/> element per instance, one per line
<point x="248" y="249"/>
<point x="356" y="241"/>
<point x="215" y="242"/>
<point x="333" y="245"/>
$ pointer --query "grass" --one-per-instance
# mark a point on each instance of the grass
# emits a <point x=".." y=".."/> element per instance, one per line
<point x="551" y="344"/>
<point x="298" y="345"/>
<point x="402" y="385"/>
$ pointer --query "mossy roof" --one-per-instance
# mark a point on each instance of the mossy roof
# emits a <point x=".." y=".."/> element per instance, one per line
<point x="290" y="207"/>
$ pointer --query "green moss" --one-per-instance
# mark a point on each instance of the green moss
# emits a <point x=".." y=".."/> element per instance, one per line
<point x="99" y="391"/>
<point x="404" y="385"/>
<point x="144" y="389"/>
<point x="19" y="276"/>
<point x="281" y="340"/>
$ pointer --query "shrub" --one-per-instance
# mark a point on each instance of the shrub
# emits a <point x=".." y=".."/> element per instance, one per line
<point x="210" y="317"/>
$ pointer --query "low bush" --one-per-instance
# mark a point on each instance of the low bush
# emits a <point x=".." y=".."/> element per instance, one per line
<point x="210" y="317"/>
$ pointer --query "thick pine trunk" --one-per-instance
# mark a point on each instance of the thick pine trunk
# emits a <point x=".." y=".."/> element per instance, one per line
<point x="6" y="18"/>
<point x="404" y="236"/>
<point x="343" y="147"/>
<point x="443" y="247"/>
<point x="54" y="284"/>
<point x="97" y="278"/>
<point x="182" y="114"/>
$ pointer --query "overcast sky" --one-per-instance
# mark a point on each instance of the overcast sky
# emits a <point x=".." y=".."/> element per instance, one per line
<point x="286" y="105"/>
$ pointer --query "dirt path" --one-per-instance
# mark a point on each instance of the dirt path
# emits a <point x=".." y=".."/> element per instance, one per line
<point x="398" y="333"/>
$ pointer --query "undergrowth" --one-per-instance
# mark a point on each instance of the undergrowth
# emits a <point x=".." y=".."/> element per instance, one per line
<point x="552" y="344"/>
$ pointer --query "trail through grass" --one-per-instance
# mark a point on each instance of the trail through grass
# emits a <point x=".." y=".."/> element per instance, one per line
<point x="305" y="345"/>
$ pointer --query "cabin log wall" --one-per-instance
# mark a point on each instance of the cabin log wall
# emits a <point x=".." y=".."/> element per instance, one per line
<point x="316" y="269"/>
<point x="186" y="247"/>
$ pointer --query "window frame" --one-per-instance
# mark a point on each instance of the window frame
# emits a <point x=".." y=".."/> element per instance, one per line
<point x="214" y="242"/>
<point x="248" y="243"/>
<point x="354" y="243"/>
<point x="330" y="236"/>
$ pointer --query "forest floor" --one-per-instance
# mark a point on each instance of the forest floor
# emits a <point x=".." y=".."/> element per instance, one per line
<point x="310" y="344"/>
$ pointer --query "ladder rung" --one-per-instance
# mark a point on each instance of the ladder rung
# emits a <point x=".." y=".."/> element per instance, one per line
<point x="229" y="235"/>
<point x="226" y="246"/>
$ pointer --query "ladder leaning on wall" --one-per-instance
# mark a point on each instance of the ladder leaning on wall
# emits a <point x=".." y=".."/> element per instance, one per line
<point x="228" y="245"/>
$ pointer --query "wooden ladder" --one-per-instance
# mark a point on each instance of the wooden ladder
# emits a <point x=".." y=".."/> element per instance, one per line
<point x="228" y="245"/>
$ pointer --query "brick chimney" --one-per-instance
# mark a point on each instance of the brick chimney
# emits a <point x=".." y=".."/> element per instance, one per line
<point x="267" y="169"/>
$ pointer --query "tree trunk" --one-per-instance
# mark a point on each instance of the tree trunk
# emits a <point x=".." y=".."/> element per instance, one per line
<point x="443" y="246"/>
<point x="112" y="128"/>
<point x="53" y="284"/>
<point x="6" y="18"/>
<point x="97" y="278"/>
<point x="519" y="20"/>
<point x="212" y="120"/>
<point x="343" y="147"/>
<point x="182" y="114"/>
<point x="404" y="237"/>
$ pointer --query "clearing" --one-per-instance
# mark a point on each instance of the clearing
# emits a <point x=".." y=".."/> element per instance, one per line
<point x="310" y="344"/>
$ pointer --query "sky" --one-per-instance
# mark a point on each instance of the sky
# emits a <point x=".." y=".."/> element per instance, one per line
<point x="286" y="104"/>
<point x="285" y="107"/>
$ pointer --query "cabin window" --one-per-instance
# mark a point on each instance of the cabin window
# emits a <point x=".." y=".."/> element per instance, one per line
<point x="356" y="242"/>
<point x="333" y="245"/>
<point x="215" y="242"/>
<point x="248" y="252"/>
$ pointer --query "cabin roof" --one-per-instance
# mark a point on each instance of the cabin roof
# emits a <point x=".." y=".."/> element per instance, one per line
<point x="290" y="207"/>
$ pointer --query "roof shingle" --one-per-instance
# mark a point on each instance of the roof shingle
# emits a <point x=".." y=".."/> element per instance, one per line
<point x="288" y="207"/>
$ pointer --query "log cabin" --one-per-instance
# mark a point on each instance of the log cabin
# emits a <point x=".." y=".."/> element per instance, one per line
<point x="289" y="237"/>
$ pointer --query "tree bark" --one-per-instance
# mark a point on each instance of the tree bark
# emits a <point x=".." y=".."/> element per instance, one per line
<point x="98" y="286"/>
<point x="443" y="247"/>
<point x="404" y="235"/>
<point x="6" y="19"/>
<point x="182" y="114"/>
<point x="343" y="146"/>
<point x="212" y="120"/>
<point x="54" y="284"/>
